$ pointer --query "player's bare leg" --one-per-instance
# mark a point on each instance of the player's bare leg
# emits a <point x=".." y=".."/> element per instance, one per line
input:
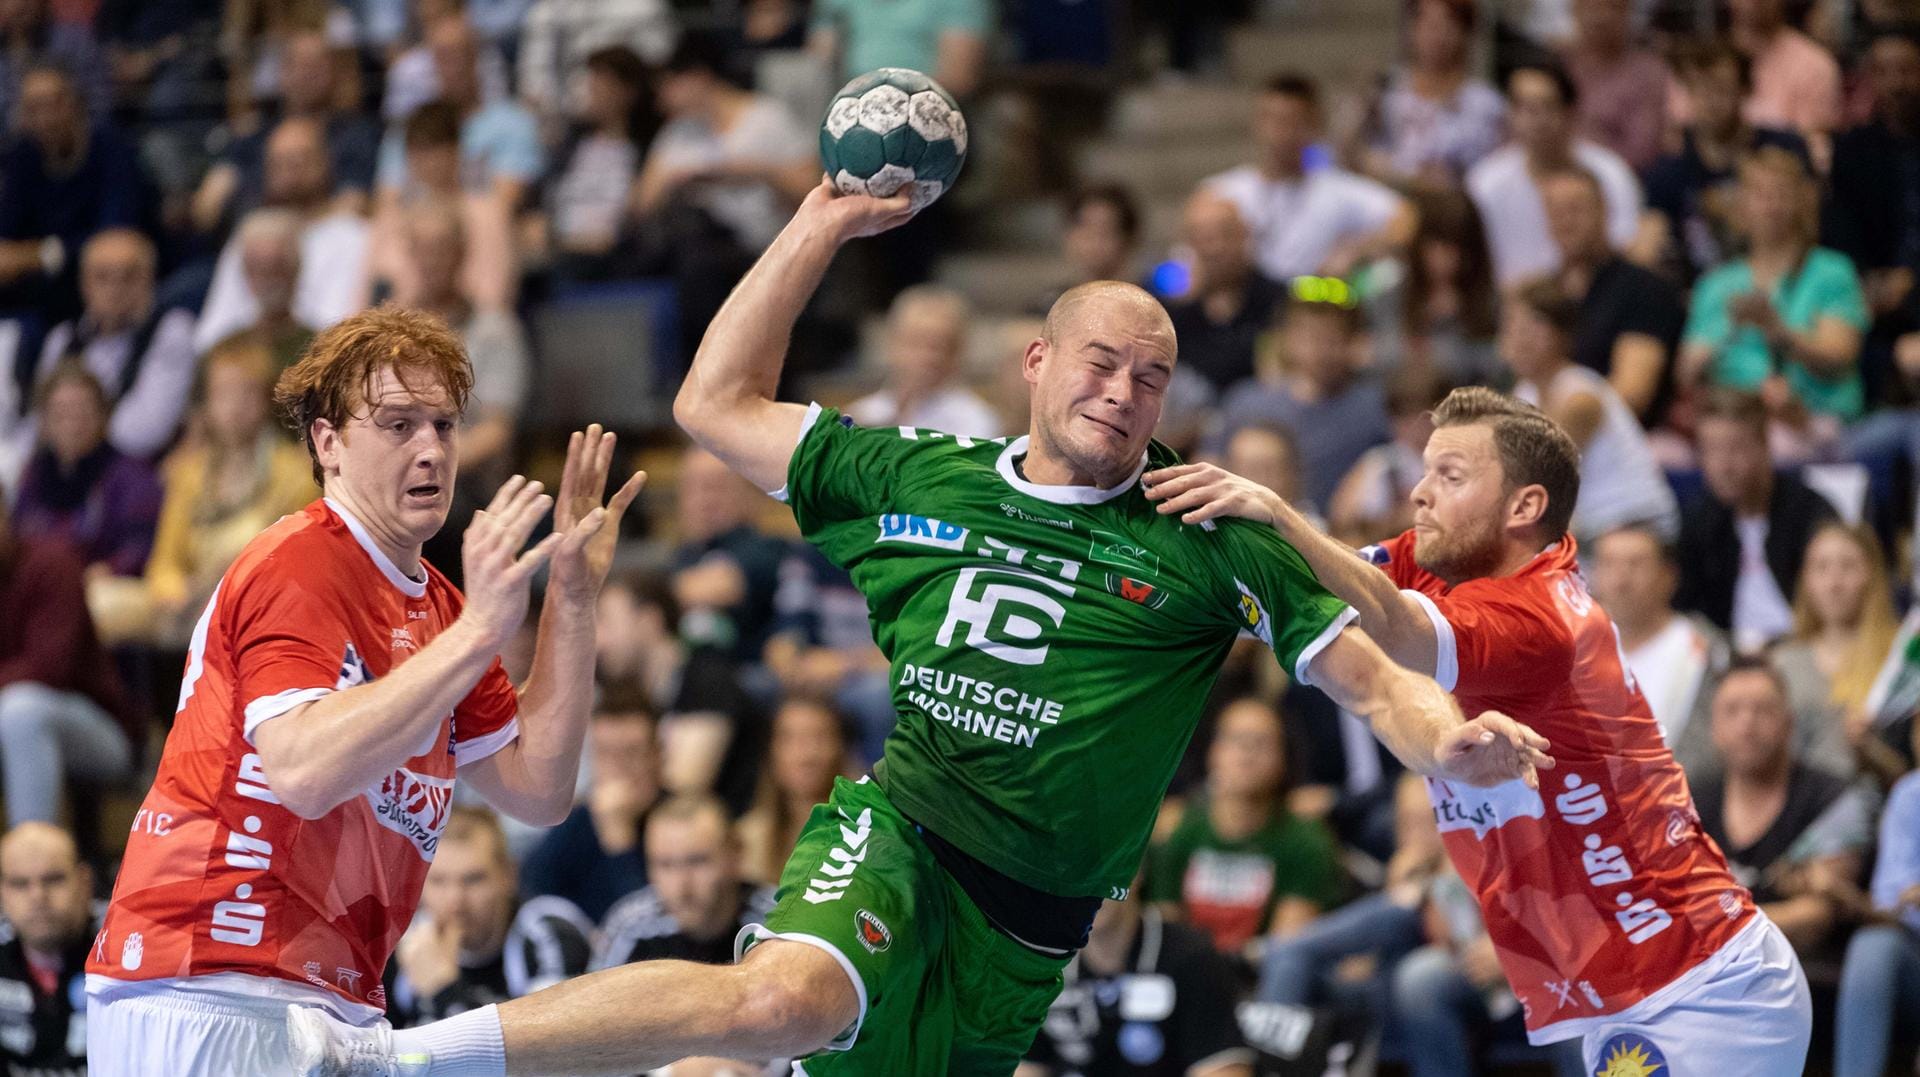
<point x="784" y="999"/>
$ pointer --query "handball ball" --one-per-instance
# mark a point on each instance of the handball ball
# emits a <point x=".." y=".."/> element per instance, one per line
<point x="892" y="129"/>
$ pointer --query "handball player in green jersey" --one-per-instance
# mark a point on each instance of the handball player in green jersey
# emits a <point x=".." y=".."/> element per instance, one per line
<point x="1052" y="640"/>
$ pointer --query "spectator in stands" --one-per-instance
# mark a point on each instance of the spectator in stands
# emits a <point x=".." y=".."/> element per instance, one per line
<point x="586" y="198"/>
<point x="1691" y="194"/>
<point x="695" y="901"/>
<point x="1623" y="85"/>
<point x="642" y="655"/>
<point x="28" y="38"/>
<point x="473" y="943"/>
<point x="738" y="156"/>
<point x="1742" y="537"/>
<point x="61" y="710"/>
<point x="822" y="647"/>
<point x="559" y="35"/>
<point x="947" y="39"/>
<point x="141" y="352"/>
<point x="1304" y="970"/>
<point x="78" y="487"/>
<point x="1374" y="500"/>
<point x="1506" y="184"/>
<point x="926" y="350"/>
<point x="1629" y="317"/>
<point x="1794" y="834"/>
<point x="224" y="487"/>
<point x="1843" y="627"/>
<point x="500" y="152"/>
<point x="1674" y="657"/>
<point x="596" y="857"/>
<point x="1267" y="454"/>
<point x="489" y="272"/>
<point x="65" y="179"/>
<point x="1787" y="318"/>
<point x="1100" y="241"/>
<point x="725" y="570"/>
<point x="413" y="78"/>
<point x="1868" y="216"/>
<point x="1092" y="1027"/>
<point x="309" y="89"/>
<point x="1317" y="391"/>
<point x="1433" y="118"/>
<point x="1441" y="318"/>
<point x="1303" y="221"/>
<point x="808" y="751"/>
<point x="1880" y="977"/>
<point x="1239" y="866"/>
<point x="46" y="895"/>
<point x="1229" y="304"/>
<point x="328" y="281"/>
<point x="1538" y="329"/>
<point x="1796" y="82"/>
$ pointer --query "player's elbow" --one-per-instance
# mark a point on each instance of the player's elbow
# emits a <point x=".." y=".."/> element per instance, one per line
<point x="779" y="1018"/>
<point x="303" y="792"/>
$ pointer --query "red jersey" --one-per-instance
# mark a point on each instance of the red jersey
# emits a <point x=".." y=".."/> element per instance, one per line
<point x="219" y="878"/>
<point x="1601" y="893"/>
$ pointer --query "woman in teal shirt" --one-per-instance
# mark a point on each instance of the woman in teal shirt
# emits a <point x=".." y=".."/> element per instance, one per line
<point x="1789" y="310"/>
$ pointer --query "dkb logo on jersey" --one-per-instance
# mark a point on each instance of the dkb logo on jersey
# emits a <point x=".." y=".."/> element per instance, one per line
<point x="921" y="531"/>
<point x="414" y="806"/>
<point x="1003" y="635"/>
<point x="1629" y="1055"/>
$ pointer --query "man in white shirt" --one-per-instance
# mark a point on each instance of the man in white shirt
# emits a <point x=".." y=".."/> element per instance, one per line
<point x="926" y="343"/>
<point x="558" y="35"/>
<point x="1505" y="186"/>
<point x="332" y="244"/>
<point x="1672" y="656"/>
<point x="1305" y="221"/>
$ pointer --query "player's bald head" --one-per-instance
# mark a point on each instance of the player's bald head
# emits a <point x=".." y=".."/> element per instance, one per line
<point x="42" y="843"/>
<point x="1114" y="305"/>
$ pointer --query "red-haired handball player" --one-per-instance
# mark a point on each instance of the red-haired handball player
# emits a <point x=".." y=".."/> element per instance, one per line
<point x="335" y="687"/>
<point x="1614" y="916"/>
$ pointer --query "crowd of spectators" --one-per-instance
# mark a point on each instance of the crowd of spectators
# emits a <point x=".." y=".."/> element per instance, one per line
<point x="1699" y="251"/>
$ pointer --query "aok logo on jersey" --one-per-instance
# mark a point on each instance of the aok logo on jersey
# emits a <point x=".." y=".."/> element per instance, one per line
<point x="414" y="806"/>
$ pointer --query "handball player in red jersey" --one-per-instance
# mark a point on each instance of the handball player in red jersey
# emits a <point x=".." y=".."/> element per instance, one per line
<point x="335" y="687"/>
<point x="1614" y="916"/>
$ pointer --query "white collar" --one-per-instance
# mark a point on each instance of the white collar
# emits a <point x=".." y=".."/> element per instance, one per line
<point x="1061" y="495"/>
<point x="402" y="582"/>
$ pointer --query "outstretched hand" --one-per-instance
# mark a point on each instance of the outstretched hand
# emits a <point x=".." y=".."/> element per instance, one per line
<point x="1200" y="492"/>
<point x="851" y="216"/>
<point x="589" y="529"/>
<point x="1492" y="749"/>
<point x="498" y="574"/>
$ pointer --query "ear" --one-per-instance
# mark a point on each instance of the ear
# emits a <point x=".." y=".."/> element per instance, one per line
<point x="1527" y="507"/>
<point x="1037" y="350"/>
<point x="326" y="440"/>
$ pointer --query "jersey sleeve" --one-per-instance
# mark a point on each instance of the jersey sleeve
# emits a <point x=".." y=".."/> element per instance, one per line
<point x="1277" y="597"/>
<point x="488" y="719"/>
<point x="841" y="471"/>
<point x="1494" y="634"/>
<point x="291" y="646"/>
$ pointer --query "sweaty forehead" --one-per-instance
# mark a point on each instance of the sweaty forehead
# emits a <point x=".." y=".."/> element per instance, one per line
<point x="1118" y="318"/>
<point x="390" y="388"/>
<point x="1470" y="441"/>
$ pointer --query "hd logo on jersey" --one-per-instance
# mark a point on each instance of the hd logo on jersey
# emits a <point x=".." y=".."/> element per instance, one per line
<point x="999" y="631"/>
<point x="922" y="531"/>
<point x="1630" y="1055"/>
<point x="414" y="806"/>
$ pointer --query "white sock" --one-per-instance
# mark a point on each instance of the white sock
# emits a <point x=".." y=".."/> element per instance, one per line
<point x="469" y="1045"/>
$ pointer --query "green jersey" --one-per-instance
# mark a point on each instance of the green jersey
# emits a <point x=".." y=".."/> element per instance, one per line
<point x="1051" y="647"/>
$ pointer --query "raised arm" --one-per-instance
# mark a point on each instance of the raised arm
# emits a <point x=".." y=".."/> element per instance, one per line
<point x="726" y="403"/>
<point x="1419" y="722"/>
<point x="1399" y="624"/>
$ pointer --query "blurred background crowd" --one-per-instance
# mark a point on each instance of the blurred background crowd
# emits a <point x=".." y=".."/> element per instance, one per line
<point x="1687" y="229"/>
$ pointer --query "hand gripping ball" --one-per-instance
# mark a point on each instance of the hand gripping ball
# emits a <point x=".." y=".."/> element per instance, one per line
<point x="894" y="128"/>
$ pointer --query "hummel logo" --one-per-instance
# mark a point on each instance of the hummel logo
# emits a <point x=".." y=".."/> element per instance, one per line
<point x="843" y="860"/>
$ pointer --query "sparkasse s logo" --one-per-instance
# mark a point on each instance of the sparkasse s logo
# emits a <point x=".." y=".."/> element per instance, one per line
<point x="873" y="934"/>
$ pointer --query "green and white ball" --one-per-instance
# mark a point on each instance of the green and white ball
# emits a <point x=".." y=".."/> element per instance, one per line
<point x="894" y="128"/>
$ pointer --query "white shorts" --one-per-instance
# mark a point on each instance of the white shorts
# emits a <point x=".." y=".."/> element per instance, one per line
<point x="184" y="1032"/>
<point x="1753" y="1019"/>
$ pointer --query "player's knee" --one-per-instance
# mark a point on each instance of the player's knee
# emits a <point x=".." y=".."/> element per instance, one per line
<point x="786" y="1017"/>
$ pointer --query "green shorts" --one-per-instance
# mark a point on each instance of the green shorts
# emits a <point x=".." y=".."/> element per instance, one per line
<point x="941" y="991"/>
